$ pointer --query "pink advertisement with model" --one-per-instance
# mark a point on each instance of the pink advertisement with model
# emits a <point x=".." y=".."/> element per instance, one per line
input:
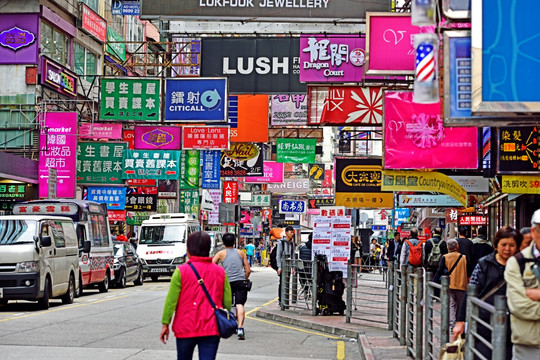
<point x="415" y="138"/>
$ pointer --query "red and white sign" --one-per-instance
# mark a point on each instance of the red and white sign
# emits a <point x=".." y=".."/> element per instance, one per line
<point x="230" y="192"/>
<point x="472" y="220"/>
<point x="205" y="137"/>
<point x="141" y="182"/>
<point x="129" y="136"/>
<point x="44" y="209"/>
<point x="333" y="211"/>
<point x="451" y="216"/>
<point x="94" y="24"/>
<point x="116" y="215"/>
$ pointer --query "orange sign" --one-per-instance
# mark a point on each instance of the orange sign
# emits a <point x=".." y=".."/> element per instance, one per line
<point x="252" y="119"/>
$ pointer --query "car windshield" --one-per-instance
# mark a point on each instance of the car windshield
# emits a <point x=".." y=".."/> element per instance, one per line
<point x="162" y="234"/>
<point x="118" y="249"/>
<point x="17" y="231"/>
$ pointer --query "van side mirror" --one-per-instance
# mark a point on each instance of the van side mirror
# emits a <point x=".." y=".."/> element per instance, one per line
<point x="46" y="241"/>
<point x="87" y="244"/>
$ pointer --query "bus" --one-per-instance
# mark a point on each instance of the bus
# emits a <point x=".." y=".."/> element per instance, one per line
<point x="96" y="252"/>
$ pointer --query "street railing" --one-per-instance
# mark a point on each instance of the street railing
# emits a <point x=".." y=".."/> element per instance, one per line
<point x="299" y="278"/>
<point x="415" y="313"/>
<point x="436" y="315"/>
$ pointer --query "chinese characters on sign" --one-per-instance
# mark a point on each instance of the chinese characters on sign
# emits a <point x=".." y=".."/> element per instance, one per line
<point x="292" y="206"/>
<point x="518" y="150"/>
<point x="296" y="150"/>
<point x="205" y="137"/>
<point x="130" y="99"/>
<point x="141" y="202"/>
<point x="157" y="137"/>
<point x="115" y="198"/>
<point x="520" y="184"/>
<point x="94" y="24"/>
<point x="243" y="159"/>
<point x="473" y="220"/>
<point x="210" y="169"/>
<point x="189" y="201"/>
<point x="289" y="109"/>
<point x="257" y="200"/>
<point x="100" y="163"/>
<point x="189" y="171"/>
<point x="230" y="192"/>
<point x="12" y="191"/>
<point x="151" y="164"/>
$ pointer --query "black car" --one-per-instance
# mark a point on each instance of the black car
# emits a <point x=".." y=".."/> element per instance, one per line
<point x="127" y="265"/>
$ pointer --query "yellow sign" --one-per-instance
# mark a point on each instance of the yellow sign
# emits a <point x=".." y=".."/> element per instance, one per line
<point x="521" y="184"/>
<point x="394" y="180"/>
<point x="378" y="200"/>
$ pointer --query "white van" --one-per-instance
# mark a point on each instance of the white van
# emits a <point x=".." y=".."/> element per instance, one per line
<point x="162" y="242"/>
<point x="38" y="259"/>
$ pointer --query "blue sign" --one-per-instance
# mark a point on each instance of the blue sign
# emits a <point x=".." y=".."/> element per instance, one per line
<point x="402" y="215"/>
<point x="114" y="197"/>
<point x="378" y="227"/>
<point x="246" y="231"/>
<point x="292" y="206"/>
<point x="125" y="7"/>
<point x="211" y="166"/>
<point x="460" y="77"/>
<point x="196" y="99"/>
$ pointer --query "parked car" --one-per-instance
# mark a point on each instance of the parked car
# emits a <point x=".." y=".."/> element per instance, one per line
<point x="127" y="265"/>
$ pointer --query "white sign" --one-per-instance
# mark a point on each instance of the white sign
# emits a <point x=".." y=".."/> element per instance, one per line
<point x="473" y="184"/>
<point x="206" y="201"/>
<point x="290" y="186"/>
<point x="52" y="183"/>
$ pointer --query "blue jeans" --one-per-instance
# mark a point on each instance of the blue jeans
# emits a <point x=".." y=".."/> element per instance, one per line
<point x="250" y="260"/>
<point x="208" y="346"/>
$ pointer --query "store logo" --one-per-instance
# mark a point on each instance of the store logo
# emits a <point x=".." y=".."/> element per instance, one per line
<point x="157" y="138"/>
<point x="16" y="38"/>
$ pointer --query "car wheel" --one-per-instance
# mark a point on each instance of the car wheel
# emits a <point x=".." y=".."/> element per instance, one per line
<point x="79" y="291"/>
<point x="43" y="303"/>
<point x="104" y="285"/>
<point x="68" y="297"/>
<point x="122" y="278"/>
<point x="154" y="277"/>
<point x="140" y="277"/>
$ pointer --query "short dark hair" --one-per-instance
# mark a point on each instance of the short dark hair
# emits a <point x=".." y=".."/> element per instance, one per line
<point x="525" y="230"/>
<point x="396" y="233"/>
<point x="463" y="231"/>
<point x="228" y="239"/>
<point x="289" y="228"/>
<point x="482" y="231"/>
<point x="437" y="231"/>
<point x="414" y="234"/>
<point x="198" y="244"/>
<point x="508" y="232"/>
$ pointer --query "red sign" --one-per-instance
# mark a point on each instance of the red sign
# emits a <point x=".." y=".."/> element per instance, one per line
<point x="144" y="190"/>
<point x="230" y="192"/>
<point x="129" y="136"/>
<point x="141" y="182"/>
<point x="116" y="215"/>
<point x="328" y="179"/>
<point x="94" y="24"/>
<point x="332" y="211"/>
<point x="472" y="220"/>
<point x="205" y="137"/>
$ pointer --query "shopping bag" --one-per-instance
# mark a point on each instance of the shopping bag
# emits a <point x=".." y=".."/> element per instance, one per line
<point x="453" y="351"/>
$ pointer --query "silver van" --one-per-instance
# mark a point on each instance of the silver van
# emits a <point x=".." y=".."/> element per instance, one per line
<point x="39" y="259"/>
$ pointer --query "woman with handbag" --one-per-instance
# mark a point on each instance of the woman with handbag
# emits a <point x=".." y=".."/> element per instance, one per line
<point x="194" y="322"/>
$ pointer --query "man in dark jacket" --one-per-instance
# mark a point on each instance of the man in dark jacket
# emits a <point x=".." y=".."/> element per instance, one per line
<point x="304" y="267"/>
<point x="481" y="245"/>
<point x="431" y="261"/>
<point x="398" y="244"/>
<point x="466" y="248"/>
<point x="391" y="249"/>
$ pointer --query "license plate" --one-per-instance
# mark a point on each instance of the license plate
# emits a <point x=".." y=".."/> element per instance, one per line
<point x="159" y="270"/>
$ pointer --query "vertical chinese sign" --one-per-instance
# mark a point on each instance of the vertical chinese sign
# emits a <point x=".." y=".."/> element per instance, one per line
<point x="58" y="150"/>
<point x="210" y="167"/>
<point x="190" y="169"/>
<point x="230" y="192"/>
<point x="100" y="163"/>
<point x="189" y="201"/>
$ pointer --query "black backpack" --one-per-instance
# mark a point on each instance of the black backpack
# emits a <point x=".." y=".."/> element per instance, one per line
<point x="273" y="257"/>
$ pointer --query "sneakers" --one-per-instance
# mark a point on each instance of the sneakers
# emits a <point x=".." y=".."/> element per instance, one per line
<point x="241" y="334"/>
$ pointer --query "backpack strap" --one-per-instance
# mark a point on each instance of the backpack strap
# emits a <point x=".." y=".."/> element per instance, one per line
<point x="408" y="243"/>
<point x="455" y="264"/>
<point x="522" y="261"/>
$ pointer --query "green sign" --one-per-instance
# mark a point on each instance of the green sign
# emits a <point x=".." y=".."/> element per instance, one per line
<point x="296" y="150"/>
<point x="257" y="200"/>
<point x="136" y="217"/>
<point x="12" y="191"/>
<point x="100" y="162"/>
<point x="151" y="164"/>
<point x="130" y="99"/>
<point x="189" y="173"/>
<point x="116" y="44"/>
<point x="189" y="201"/>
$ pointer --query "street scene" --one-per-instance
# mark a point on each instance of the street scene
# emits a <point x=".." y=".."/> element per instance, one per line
<point x="262" y="179"/>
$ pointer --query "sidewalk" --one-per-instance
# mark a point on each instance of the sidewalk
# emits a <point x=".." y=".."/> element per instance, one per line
<point x="374" y="340"/>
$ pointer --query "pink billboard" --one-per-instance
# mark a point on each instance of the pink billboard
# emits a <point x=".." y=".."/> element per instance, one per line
<point x="273" y="173"/>
<point x="389" y="46"/>
<point x="100" y="131"/>
<point x="415" y="137"/>
<point x="158" y="137"/>
<point x="58" y="150"/>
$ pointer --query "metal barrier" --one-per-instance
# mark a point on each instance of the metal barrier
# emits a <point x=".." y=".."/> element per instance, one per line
<point x="397" y="291"/>
<point x="437" y="313"/>
<point x="497" y="326"/>
<point x="299" y="278"/>
<point x="415" y="313"/>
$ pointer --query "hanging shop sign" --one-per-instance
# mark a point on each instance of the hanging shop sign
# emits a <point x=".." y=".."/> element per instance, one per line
<point x="100" y="162"/>
<point x="167" y="188"/>
<point x="136" y="99"/>
<point x="273" y="173"/>
<point x="321" y="192"/>
<point x="248" y="118"/>
<point x="141" y="182"/>
<point x="243" y="159"/>
<point x="289" y="109"/>
<point x="114" y="197"/>
<point x="94" y="24"/>
<point x="116" y="44"/>
<point x="290" y="186"/>
<point x="472" y="220"/>
<point x="129" y="137"/>
<point x="58" y="150"/>
<point x="520" y="184"/>
<point x="318" y="203"/>
<point x="151" y="164"/>
<point x="292" y="206"/>
<point x="157" y="137"/>
<point x="58" y="78"/>
<point x="116" y="215"/>
<point x="213" y="216"/>
<point x="196" y="99"/>
<point x="205" y="137"/>
<point x="141" y="202"/>
<point x="473" y="184"/>
<point x="136" y="217"/>
<point x="12" y="191"/>
<point x="257" y="200"/>
<point x="230" y="192"/>
<point x="190" y="169"/>
<point x="345" y="105"/>
<point x="210" y="160"/>
<point x="18" y="38"/>
<point x="100" y="131"/>
<point x="415" y="137"/>
<point x="150" y="190"/>
<point x="126" y="7"/>
<point x="189" y="201"/>
<point x="518" y="150"/>
<point x="296" y="150"/>
<point x="427" y="200"/>
<point x="316" y="172"/>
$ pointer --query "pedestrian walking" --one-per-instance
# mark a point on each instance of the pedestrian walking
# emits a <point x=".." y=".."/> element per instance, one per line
<point x="482" y="246"/>
<point x="250" y="252"/>
<point x="285" y="250"/>
<point x="466" y="248"/>
<point x="434" y="249"/>
<point x="411" y="252"/>
<point x="237" y="268"/>
<point x="398" y="244"/>
<point x="194" y="322"/>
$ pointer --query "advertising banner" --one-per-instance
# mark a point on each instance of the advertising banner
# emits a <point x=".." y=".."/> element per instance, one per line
<point x="141" y="202"/>
<point x="296" y="150"/>
<point x="423" y="181"/>
<point x="116" y="44"/>
<point x="205" y="137"/>
<point x="248" y="118"/>
<point x="58" y="78"/>
<point x="213" y="216"/>
<point x="210" y="160"/>
<point x="157" y="137"/>
<point x="129" y="137"/>
<point x="292" y="206"/>
<point x="116" y="215"/>
<point x="19" y="38"/>
<point x="114" y="197"/>
<point x="389" y="44"/>
<point x="100" y="131"/>
<point x="58" y="150"/>
<point x="331" y="237"/>
<point x="135" y="99"/>
<point x="126" y="7"/>
<point x="520" y="184"/>
<point x="415" y="137"/>
<point x="190" y="169"/>
<point x="254" y="65"/>
<point x="230" y="192"/>
<point x="196" y="99"/>
<point x="472" y="220"/>
<point x="345" y="105"/>
<point x="151" y="164"/>
<point x="427" y="200"/>
<point x="136" y="217"/>
<point x="318" y="203"/>
<point x="289" y="109"/>
<point x="332" y="58"/>
<point x="167" y="188"/>
<point x="189" y="201"/>
<point x="100" y="162"/>
<point x="519" y="150"/>
<point x="473" y="184"/>
<point x="94" y="24"/>
<point x="257" y="200"/>
<point x="290" y="186"/>
<point x="243" y="159"/>
<point x="273" y="173"/>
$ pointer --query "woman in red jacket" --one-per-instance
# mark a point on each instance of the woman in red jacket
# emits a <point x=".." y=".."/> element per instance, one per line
<point x="194" y="322"/>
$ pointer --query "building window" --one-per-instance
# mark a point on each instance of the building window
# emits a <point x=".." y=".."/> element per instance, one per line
<point x="86" y="63"/>
<point x="92" y="4"/>
<point x="54" y="44"/>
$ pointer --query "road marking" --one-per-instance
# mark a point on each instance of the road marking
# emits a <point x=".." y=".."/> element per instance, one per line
<point x="340" y="352"/>
<point x="294" y="328"/>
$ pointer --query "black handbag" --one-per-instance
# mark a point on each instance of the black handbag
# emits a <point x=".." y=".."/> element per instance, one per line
<point x="226" y="320"/>
<point x="247" y="284"/>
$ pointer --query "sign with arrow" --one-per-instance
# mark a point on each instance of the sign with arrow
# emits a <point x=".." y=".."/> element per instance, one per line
<point x="151" y="164"/>
<point x="211" y="165"/>
<point x="100" y="162"/>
